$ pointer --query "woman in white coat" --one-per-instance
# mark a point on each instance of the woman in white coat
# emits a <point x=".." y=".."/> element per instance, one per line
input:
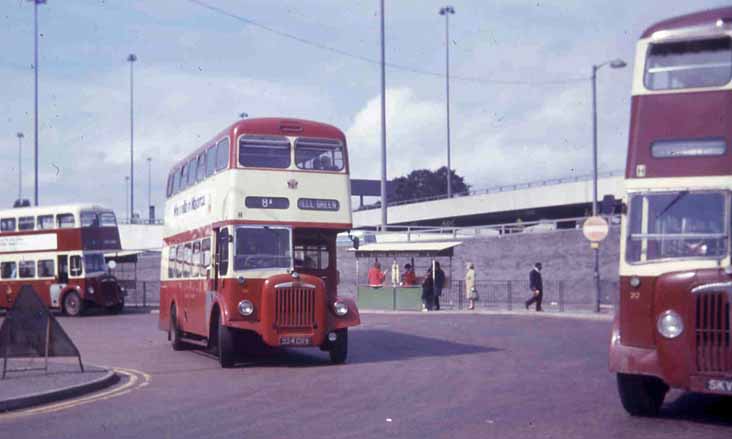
<point x="470" y="292"/>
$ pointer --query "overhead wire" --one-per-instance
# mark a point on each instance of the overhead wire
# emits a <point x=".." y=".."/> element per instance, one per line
<point x="391" y="65"/>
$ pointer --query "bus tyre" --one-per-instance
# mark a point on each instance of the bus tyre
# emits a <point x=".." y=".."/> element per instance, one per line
<point x="72" y="304"/>
<point x="339" y="349"/>
<point x="641" y="395"/>
<point x="175" y="334"/>
<point x="225" y="346"/>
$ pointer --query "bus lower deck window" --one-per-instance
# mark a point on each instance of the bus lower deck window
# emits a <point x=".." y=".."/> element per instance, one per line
<point x="8" y="270"/>
<point x="75" y="264"/>
<point x="27" y="269"/>
<point x="46" y="268"/>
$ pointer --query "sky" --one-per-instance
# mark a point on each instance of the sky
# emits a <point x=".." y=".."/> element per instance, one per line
<point x="520" y="94"/>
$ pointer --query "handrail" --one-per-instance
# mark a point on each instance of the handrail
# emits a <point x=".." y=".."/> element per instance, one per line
<point x="502" y="188"/>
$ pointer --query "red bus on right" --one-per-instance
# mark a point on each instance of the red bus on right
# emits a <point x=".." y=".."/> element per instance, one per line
<point x="672" y="329"/>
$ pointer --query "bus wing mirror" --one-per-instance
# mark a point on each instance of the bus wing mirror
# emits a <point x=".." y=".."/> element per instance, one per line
<point x="355" y="242"/>
<point x="608" y="205"/>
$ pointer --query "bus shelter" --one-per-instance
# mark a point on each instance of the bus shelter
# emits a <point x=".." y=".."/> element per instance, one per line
<point x="392" y="256"/>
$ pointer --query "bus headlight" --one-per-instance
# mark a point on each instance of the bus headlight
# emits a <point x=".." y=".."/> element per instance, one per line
<point x="246" y="308"/>
<point x="669" y="324"/>
<point x="635" y="282"/>
<point x="90" y="290"/>
<point x="340" y="308"/>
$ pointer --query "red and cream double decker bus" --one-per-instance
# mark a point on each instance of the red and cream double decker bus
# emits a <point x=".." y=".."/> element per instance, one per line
<point x="59" y="251"/>
<point x="250" y="243"/>
<point x="673" y="325"/>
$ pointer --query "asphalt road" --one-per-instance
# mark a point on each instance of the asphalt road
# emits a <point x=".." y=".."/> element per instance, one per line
<point x="436" y="375"/>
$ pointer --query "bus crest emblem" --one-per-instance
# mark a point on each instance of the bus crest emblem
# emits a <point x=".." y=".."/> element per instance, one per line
<point x="292" y="183"/>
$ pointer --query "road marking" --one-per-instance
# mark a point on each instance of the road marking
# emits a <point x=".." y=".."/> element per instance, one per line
<point x="136" y="379"/>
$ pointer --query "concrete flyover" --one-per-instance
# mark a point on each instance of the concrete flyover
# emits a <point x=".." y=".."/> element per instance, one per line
<point x="551" y="199"/>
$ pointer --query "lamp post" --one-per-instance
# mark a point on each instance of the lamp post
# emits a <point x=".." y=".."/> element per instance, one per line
<point x="131" y="59"/>
<point x="615" y="64"/>
<point x="127" y="205"/>
<point x="243" y="115"/>
<point x="383" y="124"/>
<point x="20" y="165"/>
<point x="35" y="89"/>
<point x="149" y="190"/>
<point x="447" y="11"/>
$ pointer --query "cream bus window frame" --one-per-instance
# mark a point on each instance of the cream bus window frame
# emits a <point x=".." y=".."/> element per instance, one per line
<point x="291" y="154"/>
<point x="326" y="142"/>
<point x="646" y="59"/>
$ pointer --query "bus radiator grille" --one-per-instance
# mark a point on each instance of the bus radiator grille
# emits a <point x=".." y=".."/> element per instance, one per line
<point x="713" y="332"/>
<point x="294" y="308"/>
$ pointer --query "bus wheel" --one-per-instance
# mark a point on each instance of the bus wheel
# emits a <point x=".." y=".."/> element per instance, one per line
<point x="641" y="395"/>
<point x="176" y="335"/>
<point x="72" y="304"/>
<point x="116" y="309"/>
<point x="339" y="349"/>
<point x="224" y="341"/>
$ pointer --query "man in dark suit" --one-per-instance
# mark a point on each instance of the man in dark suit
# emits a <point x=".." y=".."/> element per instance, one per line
<point x="536" y="286"/>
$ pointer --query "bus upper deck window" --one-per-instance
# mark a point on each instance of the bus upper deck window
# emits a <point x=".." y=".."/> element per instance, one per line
<point x="89" y="219"/>
<point x="192" y="172"/>
<point x="26" y="223"/>
<point x="222" y="154"/>
<point x="689" y="64"/>
<point x="107" y="219"/>
<point x="264" y="152"/>
<point x="45" y="222"/>
<point x="210" y="161"/>
<point x="201" y="167"/>
<point x="179" y="179"/>
<point x="7" y="225"/>
<point x="319" y="154"/>
<point x="65" y="221"/>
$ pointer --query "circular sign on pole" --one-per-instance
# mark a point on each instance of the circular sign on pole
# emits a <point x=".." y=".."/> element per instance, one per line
<point x="595" y="229"/>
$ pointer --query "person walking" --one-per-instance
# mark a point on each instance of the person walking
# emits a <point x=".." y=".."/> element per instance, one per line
<point x="427" y="291"/>
<point x="439" y="285"/>
<point x="536" y="286"/>
<point x="470" y="292"/>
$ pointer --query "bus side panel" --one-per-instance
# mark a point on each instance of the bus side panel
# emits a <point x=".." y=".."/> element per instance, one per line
<point x="165" y="303"/>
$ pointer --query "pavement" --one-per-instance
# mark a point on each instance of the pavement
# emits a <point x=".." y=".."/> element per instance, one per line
<point x="27" y="384"/>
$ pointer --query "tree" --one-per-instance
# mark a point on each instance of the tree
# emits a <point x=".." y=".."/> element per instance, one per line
<point x="424" y="183"/>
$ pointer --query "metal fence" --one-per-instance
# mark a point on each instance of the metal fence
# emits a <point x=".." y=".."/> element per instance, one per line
<point x="141" y="293"/>
<point x="559" y="295"/>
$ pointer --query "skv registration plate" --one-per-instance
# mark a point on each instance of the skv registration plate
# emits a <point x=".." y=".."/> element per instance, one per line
<point x="295" y="340"/>
<point x="723" y="386"/>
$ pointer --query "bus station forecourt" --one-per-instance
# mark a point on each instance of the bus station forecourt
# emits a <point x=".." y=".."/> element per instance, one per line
<point x="250" y="313"/>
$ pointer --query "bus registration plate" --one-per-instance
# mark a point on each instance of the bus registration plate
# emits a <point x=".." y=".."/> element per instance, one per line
<point x="295" y="341"/>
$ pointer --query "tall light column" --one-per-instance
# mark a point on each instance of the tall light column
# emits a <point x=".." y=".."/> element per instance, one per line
<point x="447" y="11"/>
<point x="20" y="165"/>
<point x="35" y="88"/>
<point x="149" y="189"/>
<point x="127" y="205"/>
<point x="131" y="59"/>
<point x="383" y="125"/>
<point x="615" y="64"/>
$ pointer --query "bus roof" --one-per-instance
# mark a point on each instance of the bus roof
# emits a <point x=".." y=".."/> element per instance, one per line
<point x="273" y="126"/>
<point x="708" y="17"/>
<point x="52" y="209"/>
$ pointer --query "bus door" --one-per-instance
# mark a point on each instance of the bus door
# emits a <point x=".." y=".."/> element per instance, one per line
<point x="62" y="278"/>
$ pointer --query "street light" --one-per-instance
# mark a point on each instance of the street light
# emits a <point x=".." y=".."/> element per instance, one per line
<point x="35" y="88"/>
<point x="447" y="11"/>
<point x="20" y="165"/>
<point x="127" y="206"/>
<point x="131" y="59"/>
<point x="615" y="64"/>
<point x="383" y="125"/>
<point x="149" y="190"/>
<point x="243" y="115"/>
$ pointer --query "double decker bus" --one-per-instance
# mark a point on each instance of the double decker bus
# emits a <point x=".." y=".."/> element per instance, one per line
<point x="249" y="251"/>
<point x="59" y="251"/>
<point x="672" y="329"/>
